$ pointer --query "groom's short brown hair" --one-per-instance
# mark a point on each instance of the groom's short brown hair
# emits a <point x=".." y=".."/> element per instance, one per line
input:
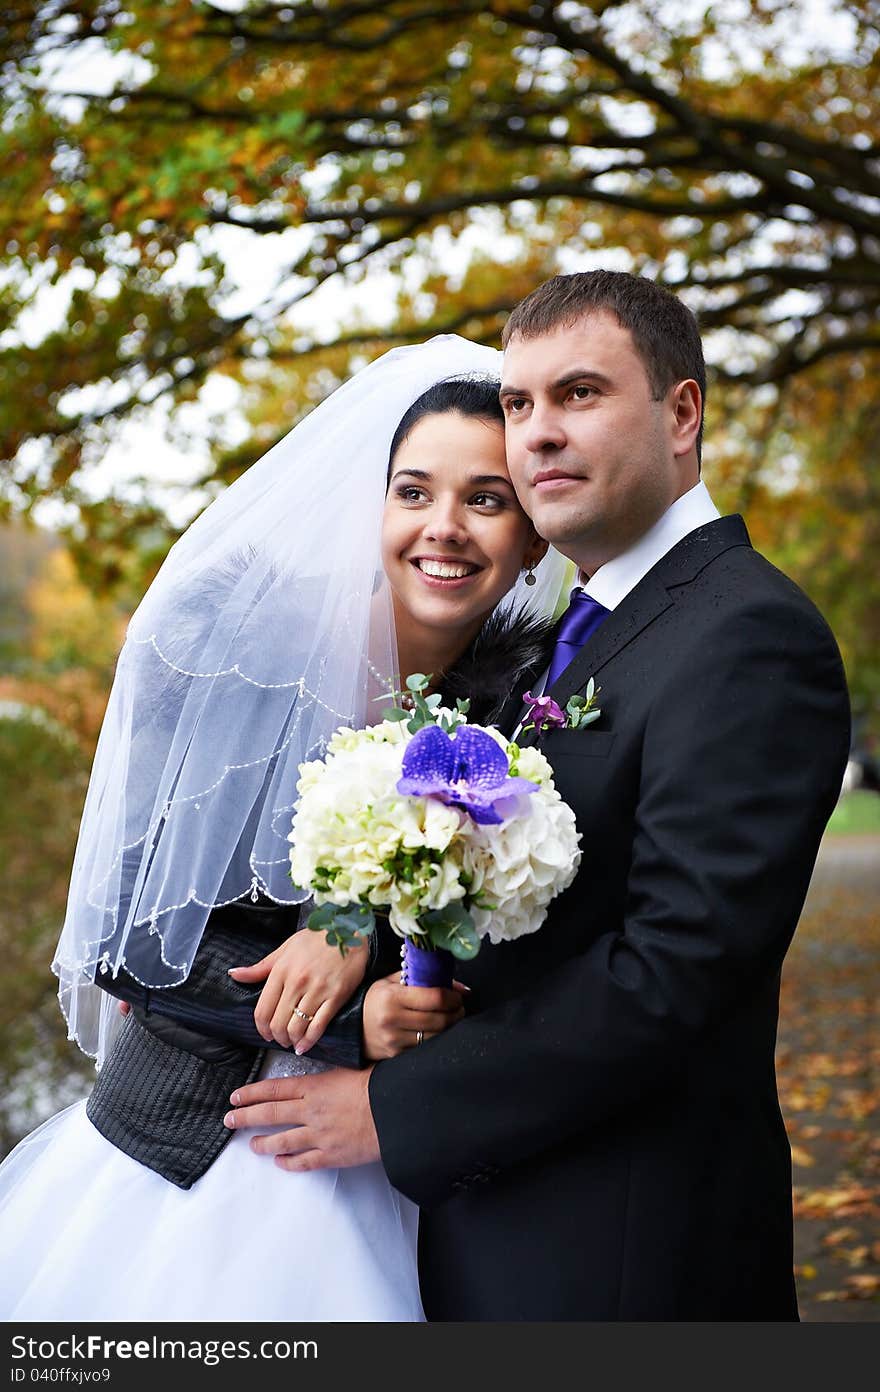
<point x="664" y="331"/>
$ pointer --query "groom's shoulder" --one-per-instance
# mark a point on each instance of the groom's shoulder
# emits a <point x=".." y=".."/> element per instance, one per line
<point x="738" y="578"/>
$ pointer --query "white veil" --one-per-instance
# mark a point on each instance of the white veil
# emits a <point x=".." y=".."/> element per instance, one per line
<point x="268" y="626"/>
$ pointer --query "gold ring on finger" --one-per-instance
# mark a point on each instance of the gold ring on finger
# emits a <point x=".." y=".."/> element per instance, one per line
<point x="302" y="1013"/>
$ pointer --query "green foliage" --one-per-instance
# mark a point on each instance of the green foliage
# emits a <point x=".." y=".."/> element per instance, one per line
<point x="42" y="784"/>
<point x="452" y="928"/>
<point x="23" y="555"/>
<point x="424" y="710"/>
<point x="582" y="710"/>
<point x="344" y="927"/>
<point x="857" y="813"/>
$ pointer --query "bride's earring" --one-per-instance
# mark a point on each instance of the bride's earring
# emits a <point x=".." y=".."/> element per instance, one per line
<point x="531" y="578"/>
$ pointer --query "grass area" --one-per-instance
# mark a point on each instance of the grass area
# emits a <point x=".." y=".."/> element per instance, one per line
<point x="856" y="813"/>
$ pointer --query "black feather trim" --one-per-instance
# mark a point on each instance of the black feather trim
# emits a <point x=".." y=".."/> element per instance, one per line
<point x="507" y="654"/>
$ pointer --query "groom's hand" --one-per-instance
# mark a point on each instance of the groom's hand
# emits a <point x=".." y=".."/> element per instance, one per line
<point x="328" y="1113"/>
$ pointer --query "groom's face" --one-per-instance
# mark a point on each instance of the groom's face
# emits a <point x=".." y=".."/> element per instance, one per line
<point x="594" y="458"/>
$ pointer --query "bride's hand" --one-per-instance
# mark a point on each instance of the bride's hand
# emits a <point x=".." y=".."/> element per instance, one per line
<point x="395" y="1016"/>
<point x="306" y="975"/>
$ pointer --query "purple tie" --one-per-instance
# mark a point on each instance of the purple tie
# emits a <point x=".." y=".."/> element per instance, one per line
<point x="582" y="617"/>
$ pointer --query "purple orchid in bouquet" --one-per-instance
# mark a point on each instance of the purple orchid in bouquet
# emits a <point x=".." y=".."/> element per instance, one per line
<point x="464" y="768"/>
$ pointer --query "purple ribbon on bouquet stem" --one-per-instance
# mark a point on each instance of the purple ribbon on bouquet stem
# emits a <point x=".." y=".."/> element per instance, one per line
<point x="425" y="966"/>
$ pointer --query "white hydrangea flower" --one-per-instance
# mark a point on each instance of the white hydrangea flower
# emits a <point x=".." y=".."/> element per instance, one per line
<point x="532" y="764"/>
<point x="520" y="866"/>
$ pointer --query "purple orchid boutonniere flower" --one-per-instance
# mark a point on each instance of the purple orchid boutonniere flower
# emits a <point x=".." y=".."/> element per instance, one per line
<point x="546" y="714"/>
<point x="543" y="713"/>
<point x="466" y="769"/>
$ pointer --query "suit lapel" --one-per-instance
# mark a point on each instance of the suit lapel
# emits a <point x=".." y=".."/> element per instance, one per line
<point x="646" y="602"/>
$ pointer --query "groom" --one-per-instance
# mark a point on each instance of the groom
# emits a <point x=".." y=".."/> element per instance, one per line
<point x="601" y="1139"/>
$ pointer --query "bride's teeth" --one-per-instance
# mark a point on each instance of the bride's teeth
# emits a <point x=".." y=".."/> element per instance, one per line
<point x="444" y="570"/>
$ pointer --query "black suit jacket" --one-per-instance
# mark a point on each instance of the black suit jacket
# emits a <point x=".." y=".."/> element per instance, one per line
<point x="602" y="1139"/>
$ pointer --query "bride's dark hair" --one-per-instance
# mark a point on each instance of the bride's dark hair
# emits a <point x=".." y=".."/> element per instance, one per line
<point x="469" y="396"/>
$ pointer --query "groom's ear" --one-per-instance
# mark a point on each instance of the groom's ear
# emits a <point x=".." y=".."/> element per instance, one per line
<point x="686" y="402"/>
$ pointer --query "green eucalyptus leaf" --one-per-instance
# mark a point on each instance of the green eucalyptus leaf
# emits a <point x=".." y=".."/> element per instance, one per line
<point x="345" y="927"/>
<point x="321" y="918"/>
<point x="452" y="928"/>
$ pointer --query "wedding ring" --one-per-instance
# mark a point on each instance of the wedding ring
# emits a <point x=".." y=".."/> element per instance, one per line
<point x="419" y="1036"/>
<point x="302" y="1014"/>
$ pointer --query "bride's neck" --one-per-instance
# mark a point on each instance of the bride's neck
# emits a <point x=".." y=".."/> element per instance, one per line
<point x="429" y="650"/>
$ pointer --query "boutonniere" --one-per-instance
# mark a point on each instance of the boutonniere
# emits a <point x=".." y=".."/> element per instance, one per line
<point x="545" y="714"/>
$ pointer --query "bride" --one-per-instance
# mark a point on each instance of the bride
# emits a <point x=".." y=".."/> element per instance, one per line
<point x="381" y="536"/>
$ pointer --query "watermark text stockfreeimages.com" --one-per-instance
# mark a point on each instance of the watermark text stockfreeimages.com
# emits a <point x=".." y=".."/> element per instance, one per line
<point x="98" y="1348"/>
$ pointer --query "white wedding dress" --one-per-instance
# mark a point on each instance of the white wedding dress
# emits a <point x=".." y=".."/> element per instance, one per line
<point x="87" y="1233"/>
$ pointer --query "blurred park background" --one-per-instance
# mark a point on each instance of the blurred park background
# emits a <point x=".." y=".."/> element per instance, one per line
<point x="211" y="213"/>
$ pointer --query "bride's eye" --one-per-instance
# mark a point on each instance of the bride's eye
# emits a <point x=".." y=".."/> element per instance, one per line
<point x="488" y="500"/>
<point x="410" y="493"/>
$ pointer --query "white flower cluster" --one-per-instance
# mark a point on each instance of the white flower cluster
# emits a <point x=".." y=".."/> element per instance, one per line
<point x="356" y="839"/>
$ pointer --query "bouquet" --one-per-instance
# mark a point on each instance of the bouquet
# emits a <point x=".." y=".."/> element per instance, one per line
<point x="452" y="830"/>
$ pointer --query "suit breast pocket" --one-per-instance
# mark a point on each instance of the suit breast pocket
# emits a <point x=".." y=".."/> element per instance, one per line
<point x="577" y="744"/>
<point x="583" y="772"/>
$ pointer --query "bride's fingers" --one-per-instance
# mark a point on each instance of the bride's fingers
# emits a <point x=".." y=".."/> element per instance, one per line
<point x="314" y="1029"/>
<point x="286" y="1026"/>
<point x="394" y="1014"/>
<point x="300" y="1019"/>
<point x="274" y="1012"/>
<point x="412" y="1038"/>
<point x="426" y="1020"/>
<point x="265" y="1010"/>
<point x="417" y="1028"/>
<point x="255" y="971"/>
<point x="428" y="997"/>
<point x="428" y="1023"/>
